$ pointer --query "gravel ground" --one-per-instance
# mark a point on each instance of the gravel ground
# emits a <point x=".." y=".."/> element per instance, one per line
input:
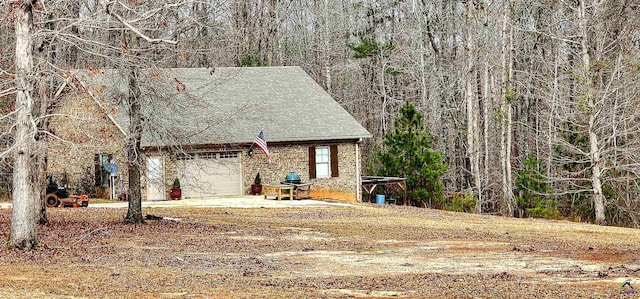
<point x="356" y="251"/>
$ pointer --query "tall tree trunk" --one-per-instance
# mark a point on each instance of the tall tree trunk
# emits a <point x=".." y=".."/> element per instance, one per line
<point x="326" y="36"/>
<point x="242" y="23"/>
<point x="473" y="152"/>
<point x="24" y="217"/>
<point x="555" y="94"/>
<point x="486" y="99"/>
<point x="73" y="50"/>
<point x="134" y="159"/>
<point x="272" y="32"/>
<point x="593" y="111"/>
<point x="45" y="54"/>
<point x="508" y="95"/>
<point x="40" y="182"/>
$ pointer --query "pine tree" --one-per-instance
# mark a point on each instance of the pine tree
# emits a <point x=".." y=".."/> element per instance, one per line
<point x="407" y="153"/>
<point x="532" y="188"/>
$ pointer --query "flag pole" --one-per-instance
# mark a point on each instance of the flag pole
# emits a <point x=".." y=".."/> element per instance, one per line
<point x="260" y="142"/>
<point x="250" y="152"/>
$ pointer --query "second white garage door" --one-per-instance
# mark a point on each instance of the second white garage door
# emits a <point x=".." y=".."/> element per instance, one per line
<point x="210" y="174"/>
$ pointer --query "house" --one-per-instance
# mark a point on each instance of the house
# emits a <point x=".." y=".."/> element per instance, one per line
<point x="84" y="136"/>
<point x="199" y="126"/>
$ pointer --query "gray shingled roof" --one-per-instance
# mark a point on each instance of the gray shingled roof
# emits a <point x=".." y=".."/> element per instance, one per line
<point x="232" y="105"/>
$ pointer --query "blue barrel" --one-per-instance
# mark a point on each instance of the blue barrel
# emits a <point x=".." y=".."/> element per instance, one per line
<point x="380" y="199"/>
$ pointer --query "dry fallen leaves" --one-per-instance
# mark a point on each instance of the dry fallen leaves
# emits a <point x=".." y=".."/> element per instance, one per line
<point x="365" y="251"/>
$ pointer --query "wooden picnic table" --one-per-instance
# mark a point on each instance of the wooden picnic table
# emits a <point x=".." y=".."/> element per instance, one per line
<point x="300" y="190"/>
<point x="277" y="190"/>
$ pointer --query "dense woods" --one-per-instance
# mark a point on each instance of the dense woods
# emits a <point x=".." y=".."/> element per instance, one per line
<point x="511" y="91"/>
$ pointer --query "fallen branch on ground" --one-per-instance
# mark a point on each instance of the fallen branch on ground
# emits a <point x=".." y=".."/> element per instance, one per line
<point x="154" y="217"/>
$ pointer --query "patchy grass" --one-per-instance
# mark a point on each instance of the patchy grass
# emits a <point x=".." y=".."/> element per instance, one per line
<point x="367" y="251"/>
<point x="101" y="200"/>
<point x="91" y="200"/>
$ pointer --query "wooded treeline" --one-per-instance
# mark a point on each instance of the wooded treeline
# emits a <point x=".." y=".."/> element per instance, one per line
<point x="498" y="82"/>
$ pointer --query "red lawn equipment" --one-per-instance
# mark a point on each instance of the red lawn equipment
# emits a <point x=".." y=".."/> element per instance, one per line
<point x="58" y="196"/>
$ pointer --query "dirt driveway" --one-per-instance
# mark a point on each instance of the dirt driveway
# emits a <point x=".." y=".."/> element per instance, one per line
<point x="333" y="251"/>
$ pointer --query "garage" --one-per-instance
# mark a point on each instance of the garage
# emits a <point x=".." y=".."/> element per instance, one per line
<point x="210" y="174"/>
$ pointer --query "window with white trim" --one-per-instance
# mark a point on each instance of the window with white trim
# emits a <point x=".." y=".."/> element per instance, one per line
<point x="323" y="162"/>
<point x="228" y="155"/>
<point x="208" y="156"/>
<point x="183" y="156"/>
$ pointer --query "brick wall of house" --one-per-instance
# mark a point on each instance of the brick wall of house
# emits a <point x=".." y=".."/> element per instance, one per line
<point x="286" y="158"/>
<point x="82" y="131"/>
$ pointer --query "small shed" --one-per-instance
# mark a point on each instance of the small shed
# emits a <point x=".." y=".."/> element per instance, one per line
<point x="371" y="183"/>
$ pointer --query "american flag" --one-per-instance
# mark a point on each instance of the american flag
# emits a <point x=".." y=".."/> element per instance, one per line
<point x="262" y="144"/>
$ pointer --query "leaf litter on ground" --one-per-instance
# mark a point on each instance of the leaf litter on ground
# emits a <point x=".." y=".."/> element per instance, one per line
<point x="366" y="251"/>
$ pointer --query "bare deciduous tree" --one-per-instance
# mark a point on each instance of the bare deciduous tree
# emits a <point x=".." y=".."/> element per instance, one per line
<point x="24" y="218"/>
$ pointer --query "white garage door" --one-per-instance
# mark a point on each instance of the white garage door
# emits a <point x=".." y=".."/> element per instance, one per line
<point x="210" y="174"/>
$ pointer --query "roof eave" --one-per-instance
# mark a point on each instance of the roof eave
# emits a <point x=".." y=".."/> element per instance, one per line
<point x="355" y="138"/>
